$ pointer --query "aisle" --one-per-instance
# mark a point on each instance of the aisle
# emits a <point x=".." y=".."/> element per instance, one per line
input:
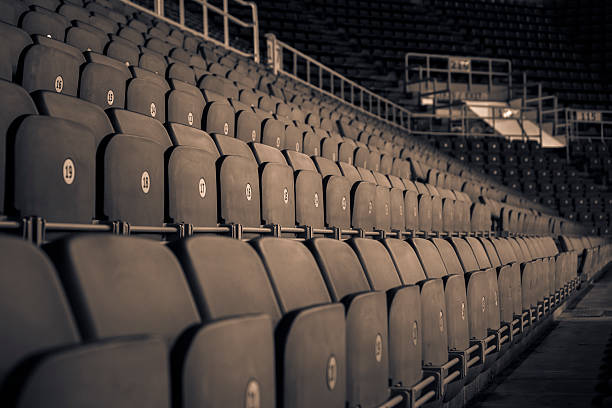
<point x="563" y="370"/>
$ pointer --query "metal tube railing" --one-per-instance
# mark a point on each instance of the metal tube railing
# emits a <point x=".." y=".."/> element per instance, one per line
<point x="368" y="103"/>
<point x="158" y="12"/>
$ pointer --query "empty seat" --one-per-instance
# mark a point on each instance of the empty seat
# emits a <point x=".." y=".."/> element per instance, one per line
<point x="273" y="133"/>
<point x="239" y="194"/>
<point x="457" y="316"/>
<point x="247" y="125"/>
<point x="42" y="21"/>
<point x="218" y="117"/>
<point x="277" y="188"/>
<point x="362" y="198"/>
<point x="86" y="39"/>
<point x="53" y="170"/>
<point x="17" y="103"/>
<point x="10" y="11"/>
<point x="191" y="186"/>
<point x="74" y="109"/>
<point x="311" y="337"/>
<point x="103" y="81"/>
<point x="123" y="51"/>
<point x="51" y="65"/>
<point x="336" y="194"/>
<point x="366" y="317"/>
<point x="14" y="41"/>
<point x="152" y="297"/>
<point x="136" y="124"/>
<point x="185" y="107"/>
<point x="33" y="307"/>
<point x="146" y="93"/>
<point x="39" y="330"/>
<point x="120" y="373"/>
<point x="132" y="180"/>
<point x="309" y="205"/>
<point x="404" y="311"/>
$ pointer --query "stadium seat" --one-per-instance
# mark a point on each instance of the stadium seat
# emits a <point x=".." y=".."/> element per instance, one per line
<point x="310" y="207"/>
<point x="86" y="39"/>
<point x="145" y="94"/>
<point x="312" y="334"/>
<point x="53" y="170"/>
<point x="336" y="194"/>
<point x="42" y="21"/>
<point x="51" y="65"/>
<point x="35" y="312"/>
<point x="363" y="194"/>
<point x="17" y="103"/>
<point x="276" y="182"/>
<point x="273" y="133"/>
<point x="74" y="109"/>
<point x="132" y="180"/>
<point x="184" y="105"/>
<point x="120" y="372"/>
<point x="457" y="311"/>
<point x="102" y="308"/>
<point x="136" y="124"/>
<point x="404" y="311"/>
<point x="14" y="41"/>
<point x="219" y="117"/>
<point x="43" y="363"/>
<point x="124" y="51"/>
<point x="103" y="81"/>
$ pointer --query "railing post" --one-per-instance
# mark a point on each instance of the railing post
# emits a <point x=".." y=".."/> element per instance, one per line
<point x="182" y="12"/>
<point x="540" y="115"/>
<point x="158" y="6"/>
<point x="205" y="18"/>
<point x="255" y="16"/>
<point x="225" y="23"/>
<point x="273" y="58"/>
<point x="509" y="81"/>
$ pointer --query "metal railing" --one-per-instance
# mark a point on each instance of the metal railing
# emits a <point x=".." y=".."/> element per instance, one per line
<point x="589" y="124"/>
<point x="459" y="120"/>
<point x="159" y="12"/>
<point x="460" y="71"/>
<point x="308" y="71"/>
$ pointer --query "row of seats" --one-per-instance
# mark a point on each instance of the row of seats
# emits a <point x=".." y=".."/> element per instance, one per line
<point x="342" y="320"/>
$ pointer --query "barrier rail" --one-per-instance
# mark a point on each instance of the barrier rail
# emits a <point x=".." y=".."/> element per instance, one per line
<point x="472" y="72"/>
<point x="308" y="71"/>
<point x="159" y="12"/>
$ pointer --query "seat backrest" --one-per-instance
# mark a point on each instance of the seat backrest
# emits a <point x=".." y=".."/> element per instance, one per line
<point x="465" y="254"/>
<point x="376" y="262"/>
<point x="340" y="267"/>
<point x="406" y="261"/>
<point x="226" y="277"/>
<point x="430" y="258"/>
<point x="293" y="272"/>
<point x="119" y="286"/>
<point x="34" y="311"/>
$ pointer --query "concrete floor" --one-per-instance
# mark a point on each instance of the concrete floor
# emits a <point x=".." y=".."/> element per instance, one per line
<point x="565" y="368"/>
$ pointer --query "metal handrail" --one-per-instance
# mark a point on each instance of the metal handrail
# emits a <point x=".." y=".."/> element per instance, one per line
<point x="427" y="70"/>
<point x="357" y="96"/>
<point x="158" y="12"/>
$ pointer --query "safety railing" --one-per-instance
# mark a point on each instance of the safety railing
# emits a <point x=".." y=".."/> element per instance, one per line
<point x="589" y="124"/>
<point x="459" y="120"/>
<point x="207" y="8"/>
<point x="479" y="78"/>
<point x="286" y="60"/>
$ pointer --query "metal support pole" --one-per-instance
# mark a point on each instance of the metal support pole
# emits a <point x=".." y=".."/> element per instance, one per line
<point x="158" y="6"/>
<point x="225" y="23"/>
<point x="205" y="18"/>
<point x="182" y="12"/>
